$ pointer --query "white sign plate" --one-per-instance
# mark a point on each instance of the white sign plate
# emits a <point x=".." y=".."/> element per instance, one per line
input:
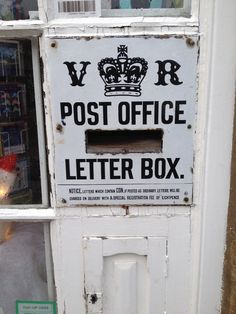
<point x="102" y="91"/>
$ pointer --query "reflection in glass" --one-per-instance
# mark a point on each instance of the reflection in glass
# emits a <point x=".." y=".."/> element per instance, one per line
<point x="141" y="4"/>
<point x="17" y="9"/>
<point x="23" y="271"/>
<point x="19" y="159"/>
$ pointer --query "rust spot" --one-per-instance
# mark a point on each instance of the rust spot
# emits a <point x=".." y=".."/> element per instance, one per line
<point x="93" y="298"/>
<point x="59" y="127"/>
<point x="87" y="38"/>
<point x="61" y="142"/>
<point x="126" y="208"/>
<point x="179" y="36"/>
<point x="190" y="43"/>
<point x="164" y="36"/>
<point x="63" y="201"/>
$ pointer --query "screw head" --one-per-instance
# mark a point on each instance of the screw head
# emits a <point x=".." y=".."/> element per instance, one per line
<point x="53" y="44"/>
<point x="186" y="199"/>
<point x="63" y="201"/>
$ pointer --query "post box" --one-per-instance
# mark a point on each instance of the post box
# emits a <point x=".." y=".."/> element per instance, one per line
<point x="121" y="108"/>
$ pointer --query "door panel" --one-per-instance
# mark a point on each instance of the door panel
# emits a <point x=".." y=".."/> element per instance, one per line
<point x="125" y="275"/>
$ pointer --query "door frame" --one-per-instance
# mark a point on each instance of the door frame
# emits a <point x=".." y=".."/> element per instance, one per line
<point x="216" y="99"/>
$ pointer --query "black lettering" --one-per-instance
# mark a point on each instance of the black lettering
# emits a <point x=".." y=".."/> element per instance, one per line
<point x="163" y="72"/>
<point x="156" y="112"/>
<point x="75" y="80"/>
<point x="165" y="119"/>
<point x="179" y="112"/>
<point x="103" y="170"/>
<point x="105" y="111"/>
<point x="91" y="167"/>
<point x="145" y="111"/>
<point x="79" y="169"/>
<point x="113" y="168"/>
<point x="66" y="111"/>
<point x="146" y="168"/>
<point x="79" y="118"/>
<point x="172" y="170"/>
<point x="134" y="111"/>
<point x="124" y="113"/>
<point x="126" y="168"/>
<point x="160" y="168"/>
<point x="91" y="106"/>
<point x="68" y="175"/>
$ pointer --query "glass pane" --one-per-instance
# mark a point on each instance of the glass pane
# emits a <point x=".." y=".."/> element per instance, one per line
<point x="18" y="9"/>
<point x="141" y="4"/>
<point x="19" y="159"/>
<point x="23" y="271"/>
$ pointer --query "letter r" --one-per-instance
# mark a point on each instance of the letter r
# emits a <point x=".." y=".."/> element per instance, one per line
<point x="171" y="72"/>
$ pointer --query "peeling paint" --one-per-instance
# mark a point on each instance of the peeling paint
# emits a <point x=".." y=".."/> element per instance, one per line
<point x="93" y="298"/>
<point x="126" y="208"/>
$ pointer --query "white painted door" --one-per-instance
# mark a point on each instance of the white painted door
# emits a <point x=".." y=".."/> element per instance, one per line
<point x="125" y="275"/>
<point x="117" y="263"/>
<point x="125" y="104"/>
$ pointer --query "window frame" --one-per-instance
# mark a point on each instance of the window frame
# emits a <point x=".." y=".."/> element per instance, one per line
<point x="47" y="11"/>
<point x="8" y="211"/>
<point x="46" y="24"/>
<point x="43" y="212"/>
<point x="153" y="12"/>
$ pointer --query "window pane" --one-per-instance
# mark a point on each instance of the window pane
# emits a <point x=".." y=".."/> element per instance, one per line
<point x="23" y="270"/>
<point x="141" y="4"/>
<point x="17" y="9"/>
<point x="19" y="159"/>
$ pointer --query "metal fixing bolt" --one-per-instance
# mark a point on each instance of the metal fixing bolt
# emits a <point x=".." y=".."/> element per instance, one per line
<point x="189" y="126"/>
<point x="53" y="44"/>
<point x="63" y="201"/>
<point x="190" y="42"/>
<point x="186" y="199"/>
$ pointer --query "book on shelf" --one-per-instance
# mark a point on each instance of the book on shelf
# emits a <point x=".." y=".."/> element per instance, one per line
<point x="12" y="101"/>
<point x="13" y="139"/>
<point x="10" y="64"/>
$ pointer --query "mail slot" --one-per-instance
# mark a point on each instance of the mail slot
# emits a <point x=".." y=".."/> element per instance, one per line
<point x="124" y="141"/>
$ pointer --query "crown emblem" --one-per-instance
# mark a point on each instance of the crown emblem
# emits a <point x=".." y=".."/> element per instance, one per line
<point x="123" y="76"/>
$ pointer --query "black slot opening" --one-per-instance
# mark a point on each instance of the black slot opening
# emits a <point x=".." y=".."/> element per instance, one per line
<point x="124" y="141"/>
